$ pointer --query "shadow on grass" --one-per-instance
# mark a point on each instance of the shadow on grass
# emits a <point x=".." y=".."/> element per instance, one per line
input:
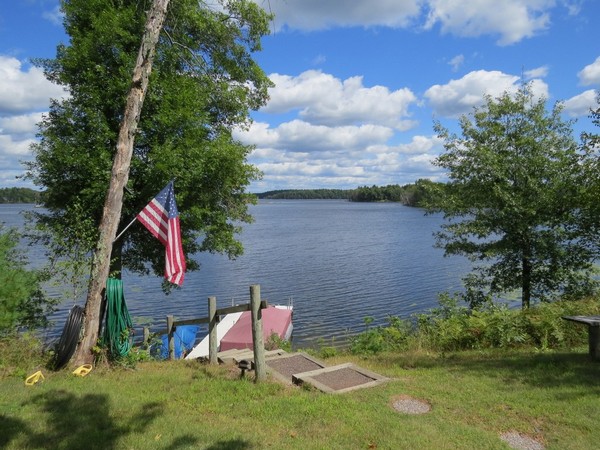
<point x="234" y="444"/>
<point x="10" y="428"/>
<point x="70" y="422"/>
<point x="545" y="370"/>
<point x="542" y="370"/>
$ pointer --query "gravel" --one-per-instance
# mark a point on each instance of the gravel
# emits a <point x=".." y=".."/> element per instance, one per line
<point x="520" y="441"/>
<point x="409" y="405"/>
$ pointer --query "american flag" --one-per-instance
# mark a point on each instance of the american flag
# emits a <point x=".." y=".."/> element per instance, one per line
<point x="161" y="218"/>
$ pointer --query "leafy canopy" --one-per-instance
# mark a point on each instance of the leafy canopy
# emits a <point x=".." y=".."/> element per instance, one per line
<point x="203" y="84"/>
<point x="514" y="200"/>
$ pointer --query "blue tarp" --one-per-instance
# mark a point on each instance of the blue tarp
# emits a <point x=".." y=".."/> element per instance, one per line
<point x="184" y="339"/>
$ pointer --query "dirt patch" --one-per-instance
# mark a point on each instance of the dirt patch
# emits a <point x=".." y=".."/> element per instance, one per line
<point x="409" y="405"/>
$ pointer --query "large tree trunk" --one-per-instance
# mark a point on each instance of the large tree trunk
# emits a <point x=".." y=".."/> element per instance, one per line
<point x="113" y="203"/>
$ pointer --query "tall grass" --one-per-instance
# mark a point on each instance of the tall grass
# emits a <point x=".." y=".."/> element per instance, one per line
<point x="20" y="354"/>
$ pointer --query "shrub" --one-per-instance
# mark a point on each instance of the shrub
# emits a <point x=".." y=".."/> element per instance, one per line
<point x="21" y="354"/>
<point x="392" y="337"/>
<point x="547" y="329"/>
<point x="451" y="327"/>
<point x="274" y="342"/>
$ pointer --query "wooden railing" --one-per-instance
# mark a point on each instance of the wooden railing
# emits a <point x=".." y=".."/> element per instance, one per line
<point x="255" y="305"/>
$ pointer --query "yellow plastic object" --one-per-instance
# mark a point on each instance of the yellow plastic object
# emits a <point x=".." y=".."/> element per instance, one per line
<point x="34" y="378"/>
<point x="82" y="371"/>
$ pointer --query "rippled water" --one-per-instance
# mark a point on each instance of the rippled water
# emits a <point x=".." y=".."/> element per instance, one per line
<point x="338" y="261"/>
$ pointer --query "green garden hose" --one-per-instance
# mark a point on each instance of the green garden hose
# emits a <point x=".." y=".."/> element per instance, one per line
<point x="118" y="321"/>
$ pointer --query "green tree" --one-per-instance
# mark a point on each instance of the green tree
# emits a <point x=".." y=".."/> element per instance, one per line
<point x="591" y="185"/>
<point x="203" y="83"/>
<point x="513" y="201"/>
<point x="22" y="303"/>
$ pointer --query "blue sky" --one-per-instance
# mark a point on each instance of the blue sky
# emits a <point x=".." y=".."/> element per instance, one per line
<point x="358" y="83"/>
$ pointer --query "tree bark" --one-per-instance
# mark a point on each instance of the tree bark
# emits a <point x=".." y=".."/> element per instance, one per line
<point x="526" y="283"/>
<point x="113" y="203"/>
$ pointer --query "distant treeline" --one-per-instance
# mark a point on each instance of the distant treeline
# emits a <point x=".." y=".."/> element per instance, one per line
<point x="409" y="194"/>
<point x="19" y="195"/>
<point x="307" y="194"/>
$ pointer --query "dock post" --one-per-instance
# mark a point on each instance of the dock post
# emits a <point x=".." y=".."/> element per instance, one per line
<point x="594" y="342"/>
<point x="257" y="334"/>
<point x="146" y="340"/>
<point x="170" y="337"/>
<point x="212" y="330"/>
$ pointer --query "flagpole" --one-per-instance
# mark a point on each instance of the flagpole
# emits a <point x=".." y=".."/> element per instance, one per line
<point x="125" y="229"/>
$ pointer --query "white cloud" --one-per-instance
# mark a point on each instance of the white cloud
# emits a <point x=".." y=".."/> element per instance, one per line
<point x="292" y="92"/>
<point x="300" y="136"/>
<point x="539" y="72"/>
<point x="24" y="90"/>
<point x="581" y="104"/>
<point x="326" y="100"/>
<point x="456" y="62"/>
<point x="342" y="130"/>
<point x="25" y="124"/>
<point x="345" y="173"/>
<point x="422" y="145"/>
<point x="17" y="133"/>
<point x="9" y="176"/>
<point x="460" y="96"/>
<point x="9" y="146"/>
<point x="319" y="14"/>
<point x="24" y="94"/>
<point x="512" y="20"/>
<point x="355" y="163"/>
<point x="590" y="73"/>
<point x="55" y="16"/>
<point x="418" y="145"/>
<point x="573" y="6"/>
<point x="319" y="59"/>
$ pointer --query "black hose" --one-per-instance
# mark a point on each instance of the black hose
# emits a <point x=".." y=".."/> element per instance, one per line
<point x="70" y="337"/>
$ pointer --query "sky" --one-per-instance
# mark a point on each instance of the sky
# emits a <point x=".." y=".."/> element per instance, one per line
<point x="358" y="84"/>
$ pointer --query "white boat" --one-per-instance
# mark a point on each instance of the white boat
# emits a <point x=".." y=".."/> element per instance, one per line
<point x="234" y="331"/>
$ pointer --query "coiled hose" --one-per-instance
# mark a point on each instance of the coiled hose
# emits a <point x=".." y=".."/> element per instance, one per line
<point x="69" y="338"/>
<point x="117" y="332"/>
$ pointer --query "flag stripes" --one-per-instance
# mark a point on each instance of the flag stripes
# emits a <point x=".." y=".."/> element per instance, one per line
<point x="175" y="260"/>
<point x="155" y="219"/>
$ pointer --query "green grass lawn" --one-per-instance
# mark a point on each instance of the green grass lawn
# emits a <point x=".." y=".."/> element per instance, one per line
<point x="474" y="396"/>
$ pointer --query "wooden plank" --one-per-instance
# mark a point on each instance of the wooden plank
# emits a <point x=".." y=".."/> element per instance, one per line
<point x="198" y="321"/>
<point x="240" y="308"/>
<point x="593" y="323"/>
<point x="220" y="312"/>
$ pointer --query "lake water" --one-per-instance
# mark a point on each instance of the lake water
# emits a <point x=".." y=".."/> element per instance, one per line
<point x="338" y="261"/>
